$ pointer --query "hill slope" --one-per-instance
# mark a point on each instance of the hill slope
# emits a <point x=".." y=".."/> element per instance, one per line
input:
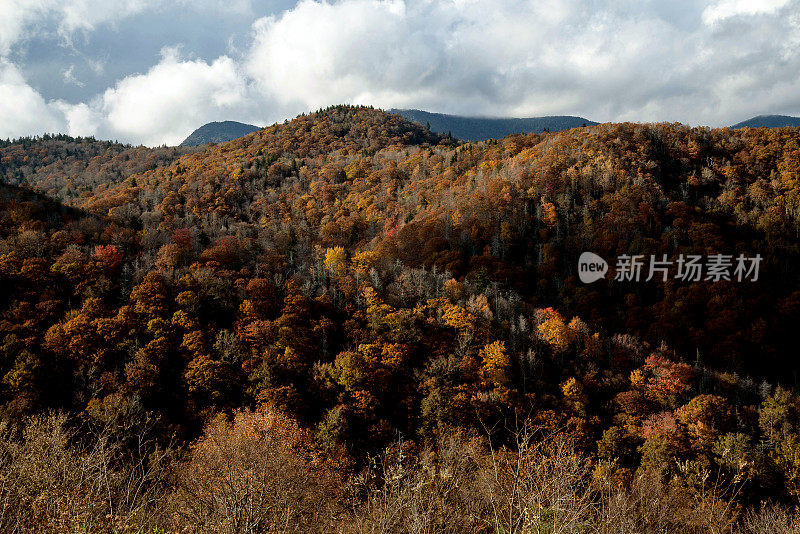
<point x="361" y="179"/>
<point x="68" y="168"/>
<point x="218" y="132"/>
<point x="481" y="128"/>
<point x="373" y="278"/>
<point x="769" y="121"/>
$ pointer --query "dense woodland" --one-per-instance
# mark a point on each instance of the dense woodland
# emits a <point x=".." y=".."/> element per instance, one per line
<point x="347" y="322"/>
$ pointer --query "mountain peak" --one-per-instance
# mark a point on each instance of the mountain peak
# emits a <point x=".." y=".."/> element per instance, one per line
<point x="769" y="121"/>
<point x="218" y="132"/>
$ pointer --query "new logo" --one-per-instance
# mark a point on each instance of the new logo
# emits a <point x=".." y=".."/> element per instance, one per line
<point x="591" y="267"/>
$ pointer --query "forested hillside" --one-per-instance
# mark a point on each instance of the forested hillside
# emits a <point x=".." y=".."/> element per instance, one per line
<point x="394" y="314"/>
<point x="67" y="167"/>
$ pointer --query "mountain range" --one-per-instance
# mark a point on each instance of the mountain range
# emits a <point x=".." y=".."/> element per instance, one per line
<point x="465" y="128"/>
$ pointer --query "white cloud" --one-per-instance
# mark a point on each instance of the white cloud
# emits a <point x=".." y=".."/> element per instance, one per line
<point x="80" y="118"/>
<point x="68" y="75"/>
<point x="618" y="60"/>
<point x="160" y="106"/>
<point x="725" y="9"/>
<point x="21" y="19"/>
<point x="464" y="56"/>
<point x="166" y="103"/>
<point x="14" y="16"/>
<point x="23" y="111"/>
<point x="84" y="15"/>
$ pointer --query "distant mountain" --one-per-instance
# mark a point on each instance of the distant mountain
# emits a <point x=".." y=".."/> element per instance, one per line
<point x="481" y="128"/>
<point x="770" y="121"/>
<point x="219" y="132"/>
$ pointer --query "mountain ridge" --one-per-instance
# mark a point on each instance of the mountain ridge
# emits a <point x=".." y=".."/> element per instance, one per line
<point x="466" y="128"/>
<point x="483" y="128"/>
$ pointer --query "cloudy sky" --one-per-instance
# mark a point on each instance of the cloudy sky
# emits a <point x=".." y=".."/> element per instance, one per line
<point x="151" y="71"/>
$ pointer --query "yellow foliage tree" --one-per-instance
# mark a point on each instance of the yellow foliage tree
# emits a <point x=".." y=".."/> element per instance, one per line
<point x="457" y="317"/>
<point x="336" y="260"/>
<point x="554" y="330"/>
<point x="364" y="261"/>
<point x="496" y="363"/>
<point x="549" y="214"/>
<point x="574" y="395"/>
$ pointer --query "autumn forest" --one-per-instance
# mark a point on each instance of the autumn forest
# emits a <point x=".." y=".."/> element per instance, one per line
<point x="349" y="323"/>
